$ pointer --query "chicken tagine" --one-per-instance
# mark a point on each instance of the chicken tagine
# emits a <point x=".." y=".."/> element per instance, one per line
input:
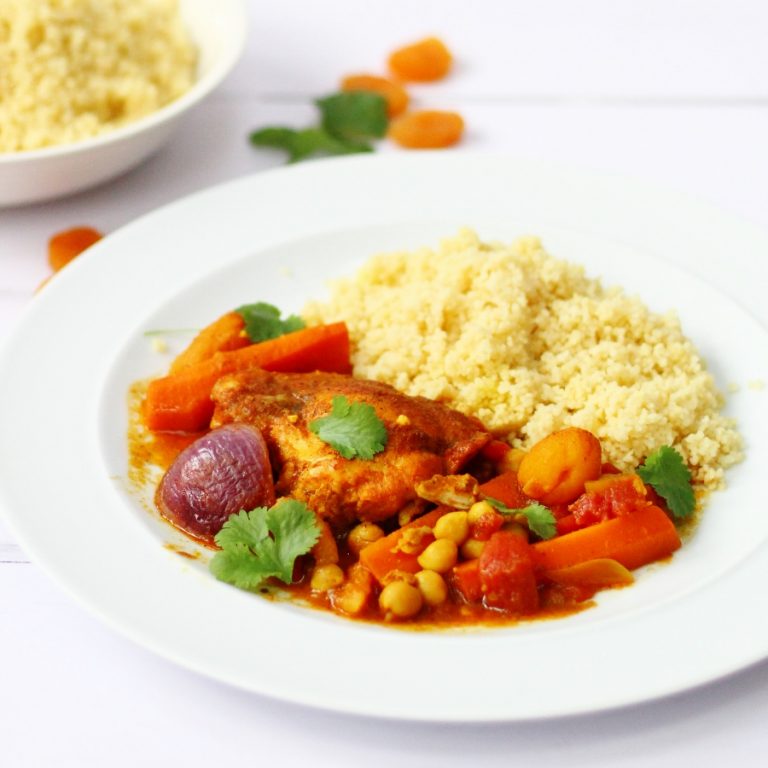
<point x="355" y="497"/>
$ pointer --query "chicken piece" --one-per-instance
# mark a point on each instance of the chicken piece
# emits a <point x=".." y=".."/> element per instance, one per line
<point x="425" y="438"/>
<point x="457" y="491"/>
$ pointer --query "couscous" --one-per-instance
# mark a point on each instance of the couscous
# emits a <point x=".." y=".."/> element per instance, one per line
<point x="529" y="344"/>
<point x="73" y="69"/>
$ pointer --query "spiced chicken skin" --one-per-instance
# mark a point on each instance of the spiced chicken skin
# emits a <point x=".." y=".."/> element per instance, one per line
<point x="425" y="438"/>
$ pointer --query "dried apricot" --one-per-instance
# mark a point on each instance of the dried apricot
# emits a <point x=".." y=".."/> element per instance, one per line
<point x="64" y="246"/>
<point x="427" y="129"/>
<point x="423" y="61"/>
<point x="395" y="94"/>
<point x="555" y="469"/>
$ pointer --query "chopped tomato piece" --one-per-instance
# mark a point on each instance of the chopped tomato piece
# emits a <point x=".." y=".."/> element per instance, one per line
<point x="608" y="497"/>
<point x="465" y="579"/>
<point x="506" y="574"/>
<point x="486" y="525"/>
<point x="495" y="450"/>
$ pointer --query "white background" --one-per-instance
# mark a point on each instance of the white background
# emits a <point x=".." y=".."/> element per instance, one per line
<point x="674" y="92"/>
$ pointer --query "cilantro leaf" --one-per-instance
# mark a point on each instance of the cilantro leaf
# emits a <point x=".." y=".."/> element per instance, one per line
<point x="353" y="429"/>
<point x="354" y="115"/>
<point x="263" y="543"/>
<point x="665" y="470"/>
<point x="249" y="528"/>
<point x="262" y="321"/>
<point x="538" y="518"/>
<point x="305" y="142"/>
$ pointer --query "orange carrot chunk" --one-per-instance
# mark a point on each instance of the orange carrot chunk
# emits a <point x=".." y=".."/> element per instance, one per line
<point x="394" y="93"/>
<point x="64" y="246"/>
<point x="506" y="489"/>
<point x="182" y="402"/>
<point x="222" y="335"/>
<point x="423" y="61"/>
<point x="427" y="129"/>
<point x="633" y="540"/>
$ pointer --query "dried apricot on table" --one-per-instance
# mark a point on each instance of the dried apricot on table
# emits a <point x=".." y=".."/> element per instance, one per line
<point x="427" y="129"/>
<point x="423" y="61"/>
<point x="395" y="94"/>
<point x="64" y="246"/>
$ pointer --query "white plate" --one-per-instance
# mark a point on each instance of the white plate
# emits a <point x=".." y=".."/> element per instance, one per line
<point x="277" y="236"/>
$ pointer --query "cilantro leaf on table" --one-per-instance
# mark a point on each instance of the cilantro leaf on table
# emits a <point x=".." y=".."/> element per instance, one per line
<point x="538" y="518"/>
<point x="305" y="142"/>
<point x="354" y="115"/>
<point x="665" y="470"/>
<point x="262" y="321"/>
<point x="264" y="543"/>
<point x="353" y="429"/>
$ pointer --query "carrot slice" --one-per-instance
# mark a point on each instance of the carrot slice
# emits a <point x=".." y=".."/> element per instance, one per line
<point x="633" y="540"/>
<point x="424" y="61"/>
<point x="224" y="334"/>
<point x="64" y="246"/>
<point x="182" y="402"/>
<point x="394" y="93"/>
<point x="506" y="489"/>
<point x="427" y="129"/>
<point x="395" y="552"/>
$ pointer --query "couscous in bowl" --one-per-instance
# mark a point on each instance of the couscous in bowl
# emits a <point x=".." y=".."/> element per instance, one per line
<point x="217" y="30"/>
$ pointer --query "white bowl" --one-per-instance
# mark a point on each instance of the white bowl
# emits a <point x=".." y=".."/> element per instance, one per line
<point x="217" y="28"/>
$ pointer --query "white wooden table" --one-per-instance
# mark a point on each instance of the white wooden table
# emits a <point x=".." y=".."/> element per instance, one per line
<point x="674" y="91"/>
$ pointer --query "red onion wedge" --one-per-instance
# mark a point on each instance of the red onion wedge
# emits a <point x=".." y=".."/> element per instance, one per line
<point x="219" y="474"/>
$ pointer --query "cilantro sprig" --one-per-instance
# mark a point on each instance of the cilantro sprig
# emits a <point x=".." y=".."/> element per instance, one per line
<point x="353" y="429"/>
<point x="667" y="473"/>
<point x="263" y="321"/>
<point x="348" y="120"/>
<point x="354" y="115"/>
<point x="537" y="517"/>
<point x="264" y="543"/>
<point x="302" y="143"/>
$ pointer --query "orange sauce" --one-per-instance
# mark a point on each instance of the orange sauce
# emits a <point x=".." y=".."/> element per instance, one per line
<point x="150" y="451"/>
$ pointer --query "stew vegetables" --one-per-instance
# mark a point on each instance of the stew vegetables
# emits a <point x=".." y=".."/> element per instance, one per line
<point x="358" y="499"/>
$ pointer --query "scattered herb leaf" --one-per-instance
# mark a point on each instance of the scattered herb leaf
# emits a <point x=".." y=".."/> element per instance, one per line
<point x="264" y="543"/>
<point x="354" y="115"/>
<point x="537" y="517"/>
<point x="262" y="321"/>
<point x="306" y="142"/>
<point x="665" y="470"/>
<point x="353" y="429"/>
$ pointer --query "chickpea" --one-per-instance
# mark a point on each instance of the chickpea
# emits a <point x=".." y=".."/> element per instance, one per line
<point x="362" y="535"/>
<point x="326" y="577"/>
<point x="453" y="526"/>
<point x="517" y="528"/>
<point x="440" y="556"/>
<point x="432" y="587"/>
<point x="555" y="469"/>
<point x="472" y="548"/>
<point x="349" y="599"/>
<point x="479" y="509"/>
<point x="400" y="600"/>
